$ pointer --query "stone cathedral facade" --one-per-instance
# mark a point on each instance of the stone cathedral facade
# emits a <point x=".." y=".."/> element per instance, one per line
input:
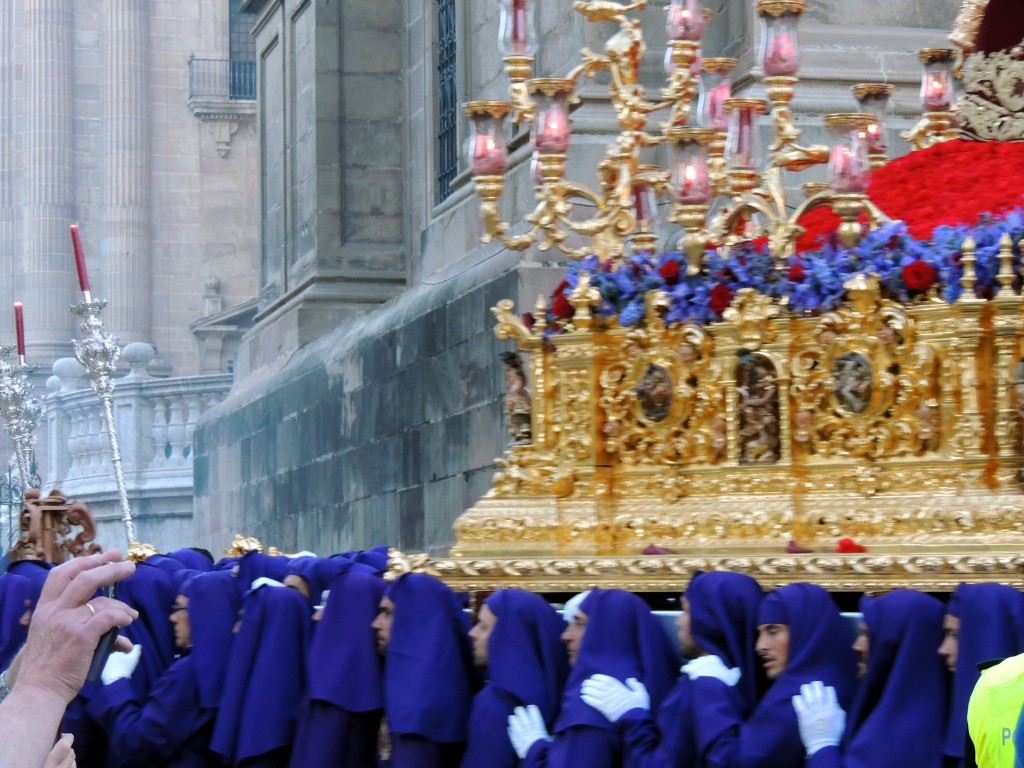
<point x="137" y="119"/>
<point x="367" y="405"/>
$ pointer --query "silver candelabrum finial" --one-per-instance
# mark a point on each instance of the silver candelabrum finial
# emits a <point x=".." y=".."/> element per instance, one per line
<point x="98" y="352"/>
<point x="21" y="412"/>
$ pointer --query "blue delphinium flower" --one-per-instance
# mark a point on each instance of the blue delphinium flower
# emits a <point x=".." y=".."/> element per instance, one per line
<point x="816" y="286"/>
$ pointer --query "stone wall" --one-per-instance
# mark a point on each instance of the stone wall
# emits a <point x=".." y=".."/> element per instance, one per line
<point x="382" y="432"/>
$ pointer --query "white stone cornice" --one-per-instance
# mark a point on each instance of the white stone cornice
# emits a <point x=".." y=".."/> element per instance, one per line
<point x="223" y="117"/>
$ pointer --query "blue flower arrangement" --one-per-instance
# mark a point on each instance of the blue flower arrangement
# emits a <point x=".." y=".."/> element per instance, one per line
<point x="812" y="282"/>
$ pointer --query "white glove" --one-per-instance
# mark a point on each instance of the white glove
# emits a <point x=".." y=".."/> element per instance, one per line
<point x="264" y="581"/>
<point x="711" y="666"/>
<point x="121" y="665"/>
<point x="525" y="726"/>
<point x="821" y="719"/>
<point x="612" y="698"/>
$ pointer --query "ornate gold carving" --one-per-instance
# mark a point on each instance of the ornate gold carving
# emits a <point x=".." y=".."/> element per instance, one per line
<point x="898" y="426"/>
<point x="751" y="313"/>
<point x="526" y="472"/>
<point x="46" y="526"/>
<point x="139" y="553"/>
<point x="243" y="545"/>
<point x="992" y="107"/>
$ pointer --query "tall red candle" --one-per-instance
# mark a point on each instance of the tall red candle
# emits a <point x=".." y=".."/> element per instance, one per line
<point x="19" y="328"/>
<point x="83" y="273"/>
<point x="519" y="25"/>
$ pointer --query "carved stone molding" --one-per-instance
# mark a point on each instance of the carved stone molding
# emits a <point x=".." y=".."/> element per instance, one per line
<point x="223" y="117"/>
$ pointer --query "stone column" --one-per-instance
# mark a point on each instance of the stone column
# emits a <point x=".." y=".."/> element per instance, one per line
<point x="7" y="155"/>
<point x="125" y="244"/>
<point x="49" y="281"/>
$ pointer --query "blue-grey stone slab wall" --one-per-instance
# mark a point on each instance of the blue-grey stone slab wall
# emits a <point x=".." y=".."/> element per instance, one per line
<point x="383" y="431"/>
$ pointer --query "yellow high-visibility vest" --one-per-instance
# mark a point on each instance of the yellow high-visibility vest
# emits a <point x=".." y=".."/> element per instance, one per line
<point x="993" y="712"/>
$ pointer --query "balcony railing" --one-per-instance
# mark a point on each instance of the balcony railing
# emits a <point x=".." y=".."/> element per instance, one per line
<point x="155" y="419"/>
<point x="221" y="79"/>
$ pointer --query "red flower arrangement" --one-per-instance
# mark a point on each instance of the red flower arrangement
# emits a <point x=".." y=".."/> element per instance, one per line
<point x="952" y="182"/>
<point x="797" y="272"/>
<point x="720" y="298"/>
<point x="919" y="275"/>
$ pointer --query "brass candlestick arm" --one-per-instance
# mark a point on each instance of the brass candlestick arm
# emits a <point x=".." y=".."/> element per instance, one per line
<point x="784" y="151"/>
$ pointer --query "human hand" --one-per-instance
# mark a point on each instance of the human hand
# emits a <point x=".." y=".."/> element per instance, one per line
<point x="62" y="755"/>
<point x="525" y="726"/>
<point x="711" y="666"/>
<point x="612" y="698"/>
<point x="821" y="719"/>
<point x="121" y="665"/>
<point x="69" y="621"/>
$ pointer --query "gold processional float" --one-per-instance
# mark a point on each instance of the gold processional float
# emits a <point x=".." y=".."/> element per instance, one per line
<point x="758" y="442"/>
<point x="643" y="451"/>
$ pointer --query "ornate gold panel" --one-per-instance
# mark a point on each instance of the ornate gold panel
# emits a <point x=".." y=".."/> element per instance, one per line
<point x="735" y="444"/>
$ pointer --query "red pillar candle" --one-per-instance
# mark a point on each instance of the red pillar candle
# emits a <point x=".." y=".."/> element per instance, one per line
<point x="83" y="273"/>
<point x="19" y="329"/>
<point x="519" y="25"/>
<point x="552" y="129"/>
<point x="781" y="58"/>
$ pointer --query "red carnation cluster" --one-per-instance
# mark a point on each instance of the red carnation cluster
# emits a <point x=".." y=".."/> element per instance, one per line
<point x="950" y="183"/>
<point x="561" y="309"/>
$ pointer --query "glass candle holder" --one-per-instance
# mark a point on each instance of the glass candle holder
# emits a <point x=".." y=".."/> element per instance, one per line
<point x="849" y="168"/>
<point x="937" y="79"/>
<point x="685" y="20"/>
<point x="691" y="181"/>
<point x="874" y="99"/>
<point x="779" y="51"/>
<point x="485" y="147"/>
<point x="517" y="35"/>
<point x="551" y="129"/>
<point x="645" y="203"/>
<point x="715" y="89"/>
<point x="742" y="144"/>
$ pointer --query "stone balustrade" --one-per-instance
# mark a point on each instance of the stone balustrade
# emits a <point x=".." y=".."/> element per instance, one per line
<point x="155" y="419"/>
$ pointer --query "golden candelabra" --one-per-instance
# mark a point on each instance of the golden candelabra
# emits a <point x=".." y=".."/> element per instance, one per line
<point x="716" y="169"/>
<point x="733" y="444"/>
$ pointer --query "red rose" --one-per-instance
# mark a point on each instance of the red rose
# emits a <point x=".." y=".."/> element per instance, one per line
<point x="919" y="275"/>
<point x="528" y="320"/>
<point x="796" y="272"/>
<point x="669" y="272"/>
<point x="721" y="297"/>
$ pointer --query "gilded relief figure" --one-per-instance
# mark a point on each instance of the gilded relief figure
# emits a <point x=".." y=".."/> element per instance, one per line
<point x="654" y="393"/>
<point x="853" y="377"/>
<point x="758" y="409"/>
<point x="517" y="400"/>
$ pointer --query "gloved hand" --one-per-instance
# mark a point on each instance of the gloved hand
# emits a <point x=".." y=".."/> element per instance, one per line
<point x="612" y="698"/>
<point x="711" y="666"/>
<point x="121" y="665"/>
<point x="525" y="726"/>
<point x="822" y="721"/>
